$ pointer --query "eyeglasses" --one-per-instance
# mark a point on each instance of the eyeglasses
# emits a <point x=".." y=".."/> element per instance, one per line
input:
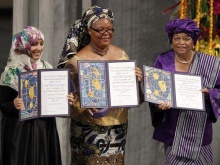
<point x="102" y="31"/>
<point x="185" y="39"/>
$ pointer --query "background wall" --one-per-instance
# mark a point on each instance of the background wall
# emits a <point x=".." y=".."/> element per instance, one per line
<point x="139" y="30"/>
<point x="5" y="30"/>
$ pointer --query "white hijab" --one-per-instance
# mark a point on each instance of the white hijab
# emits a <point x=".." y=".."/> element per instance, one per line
<point x="19" y="57"/>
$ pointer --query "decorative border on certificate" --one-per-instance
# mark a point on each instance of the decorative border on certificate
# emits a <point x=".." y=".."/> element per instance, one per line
<point x="28" y="91"/>
<point x="106" y="84"/>
<point x="92" y="83"/>
<point x="180" y="90"/>
<point x="44" y="93"/>
<point x="157" y="85"/>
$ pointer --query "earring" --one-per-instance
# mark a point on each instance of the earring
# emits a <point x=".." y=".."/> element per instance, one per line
<point x="171" y="46"/>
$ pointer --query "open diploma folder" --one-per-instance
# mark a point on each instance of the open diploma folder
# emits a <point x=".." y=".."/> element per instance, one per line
<point x="107" y="84"/>
<point x="44" y="93"/>
<point x="180" y="90"/>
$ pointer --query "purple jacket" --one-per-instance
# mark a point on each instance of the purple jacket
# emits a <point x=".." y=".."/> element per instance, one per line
<point x="165" y="122"/>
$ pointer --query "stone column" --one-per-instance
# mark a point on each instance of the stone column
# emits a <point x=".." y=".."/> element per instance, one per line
<point x="33" y="13"/>
<point x="20" y="18"/>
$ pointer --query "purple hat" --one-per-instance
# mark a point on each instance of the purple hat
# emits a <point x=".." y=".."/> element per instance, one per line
<point x="187" y="26"/>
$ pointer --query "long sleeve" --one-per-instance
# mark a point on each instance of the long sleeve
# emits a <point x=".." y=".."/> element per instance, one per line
<point x="7" y="96"/>
<point x="214" y="96"/>
<point x="157" y="116"/>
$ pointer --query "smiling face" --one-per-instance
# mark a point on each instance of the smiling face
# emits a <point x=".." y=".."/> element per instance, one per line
<point x="37" y="49"/>
<point x="182" y="44"/>
<point x="98" y="39"/>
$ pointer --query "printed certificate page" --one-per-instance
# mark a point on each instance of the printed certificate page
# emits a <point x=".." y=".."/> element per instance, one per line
<point x="187" y="91"/>
<point x="123" y="84"/>
<point x="54" y="90"/>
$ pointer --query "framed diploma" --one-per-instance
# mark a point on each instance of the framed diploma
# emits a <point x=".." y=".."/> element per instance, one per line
<point x="44" y="93"/>
<point x="181" y="91"/>
<point x="108" y="84"/>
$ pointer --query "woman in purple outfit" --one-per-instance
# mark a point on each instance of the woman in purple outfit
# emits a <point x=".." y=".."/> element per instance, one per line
<point x="187" y="135"/>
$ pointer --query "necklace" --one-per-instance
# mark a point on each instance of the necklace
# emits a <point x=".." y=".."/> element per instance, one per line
<point x="184" y="62"/>
<point x="97" y="52"/>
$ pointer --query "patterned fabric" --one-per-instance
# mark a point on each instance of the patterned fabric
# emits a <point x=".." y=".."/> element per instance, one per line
<point x="85" y="138"/>
<point x="116" y="116"/>
<point x="189" y="134"/>
<point x="19" y="57"/>
<point x="183" y="26"/>
<point x="205" y="157"/>
<point x="78" y="36"/>
<point x="93" y="144"/>
<point x="191" y="124"/>
<point x="21" y="42"/>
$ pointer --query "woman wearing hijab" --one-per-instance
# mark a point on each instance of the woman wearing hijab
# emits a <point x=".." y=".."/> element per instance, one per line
<point x="30" y="142"/>
<point x="187" y="135"/>
<point x="95" y="140"/>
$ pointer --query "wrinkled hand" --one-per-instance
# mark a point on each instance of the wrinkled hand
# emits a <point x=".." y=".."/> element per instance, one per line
<point x="138" y="73"/>
<point x="71" y="98"/>
<point x="89" y="112"/>
<point x="164" y="106"/>
<point x="18" y="103"/>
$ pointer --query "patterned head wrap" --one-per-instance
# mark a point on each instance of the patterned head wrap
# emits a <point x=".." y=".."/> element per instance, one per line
<point x="20" y="56"/>
<point x="78" y="36"/>
<point x="187" y="26"/>
<point x="21" y="42"/>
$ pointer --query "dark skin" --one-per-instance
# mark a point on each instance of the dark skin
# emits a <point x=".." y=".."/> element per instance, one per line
<point x="183" y="47"/>
<point x="101" y="42"/>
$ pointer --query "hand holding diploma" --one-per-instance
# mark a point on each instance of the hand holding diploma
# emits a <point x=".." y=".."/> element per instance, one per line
<point x="205" y="91"/>
<point x="19" y="104"/>
<point x="164" y="106"/>
<point x="71" y="98"/>
<point x="89" y="112"/>
<point x="138" y="73"/>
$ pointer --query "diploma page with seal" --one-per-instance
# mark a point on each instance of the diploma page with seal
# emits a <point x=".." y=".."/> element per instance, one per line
<point x="181" y="91"/>
<point x="107" y="84"/>
<point x="44" y="93"/>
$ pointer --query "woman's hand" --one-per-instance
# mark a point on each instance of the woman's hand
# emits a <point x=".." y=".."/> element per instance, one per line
<point x="206" y="92"/>
<point x="71" y="98"/>
<point x="19" y="104"/>
<point x="138" y="73"/>
<point x="164" y="106"/>
<point x="89" y="112"/>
